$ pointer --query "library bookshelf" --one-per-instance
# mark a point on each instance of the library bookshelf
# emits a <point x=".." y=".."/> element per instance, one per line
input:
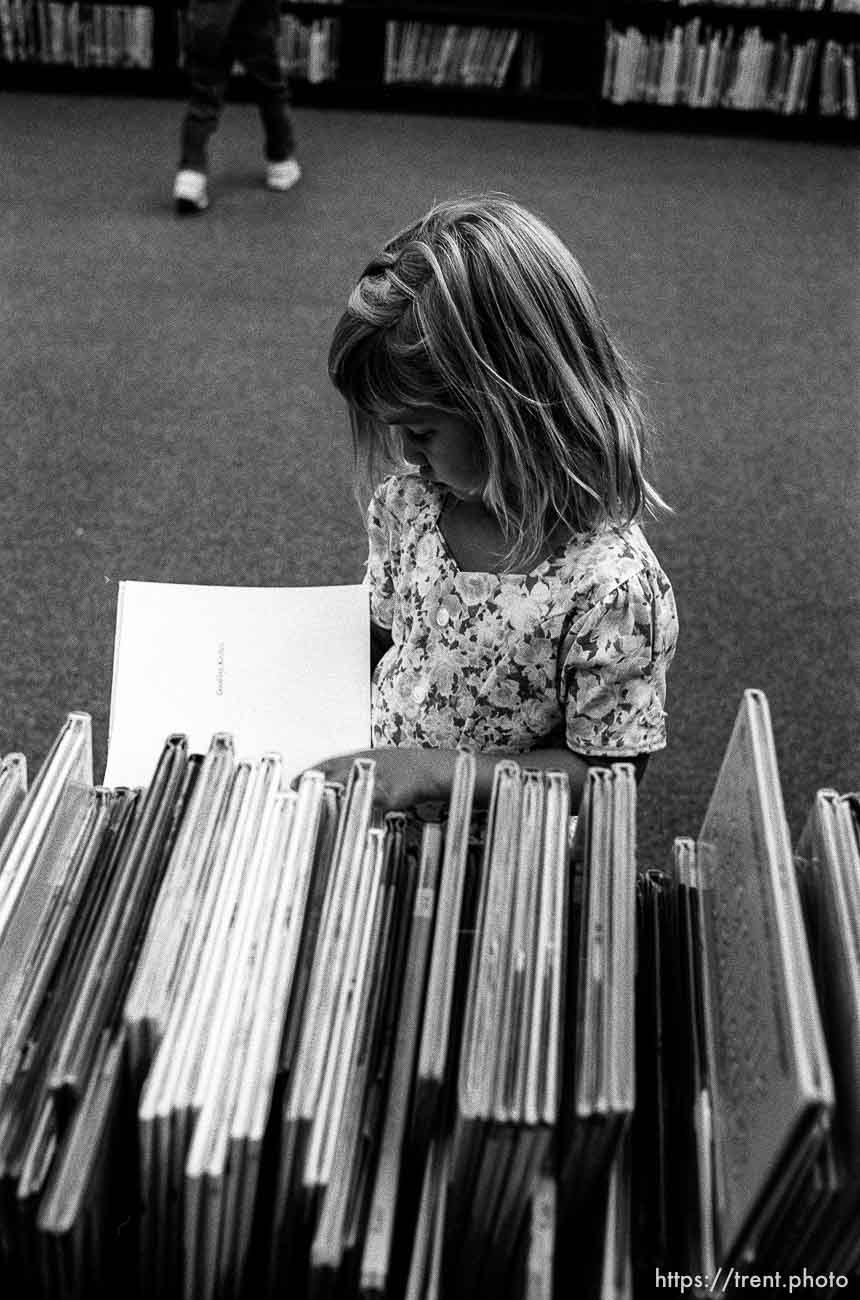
<point x="785" y="69"/>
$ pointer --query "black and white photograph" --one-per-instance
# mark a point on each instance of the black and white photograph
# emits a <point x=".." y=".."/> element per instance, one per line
<point x="430" y="671"/>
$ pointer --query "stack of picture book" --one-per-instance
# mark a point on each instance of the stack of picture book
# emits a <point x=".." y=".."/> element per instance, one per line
<point x="259" y="1037"/>
<point x="255" y="1036"/>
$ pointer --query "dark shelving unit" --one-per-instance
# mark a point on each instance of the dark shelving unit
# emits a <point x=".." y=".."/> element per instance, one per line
<point x="568" y="86"/>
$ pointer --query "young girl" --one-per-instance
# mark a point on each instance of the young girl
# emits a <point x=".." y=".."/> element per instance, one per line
<point x="515" y="603"/>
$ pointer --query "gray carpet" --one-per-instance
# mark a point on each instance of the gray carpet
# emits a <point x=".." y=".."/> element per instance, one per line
<point x="167" y="416"/>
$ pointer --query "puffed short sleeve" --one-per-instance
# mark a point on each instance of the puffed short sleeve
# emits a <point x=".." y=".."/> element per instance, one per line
<point x="383" y="553"/>
<point x="613" y="677"/>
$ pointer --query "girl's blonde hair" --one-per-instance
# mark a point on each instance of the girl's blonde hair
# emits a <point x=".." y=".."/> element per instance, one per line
<point x="479" y="310"/>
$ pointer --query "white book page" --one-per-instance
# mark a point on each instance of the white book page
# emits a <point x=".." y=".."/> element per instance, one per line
<point x="284" y="669"/>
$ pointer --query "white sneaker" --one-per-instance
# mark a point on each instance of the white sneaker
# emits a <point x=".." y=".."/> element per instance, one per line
<point x="283" y="175"/>
<point x="189" y="192"/>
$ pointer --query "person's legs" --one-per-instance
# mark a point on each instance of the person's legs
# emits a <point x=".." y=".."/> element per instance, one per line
<point x="256" y="40"/>
<point x="209" y="57"/>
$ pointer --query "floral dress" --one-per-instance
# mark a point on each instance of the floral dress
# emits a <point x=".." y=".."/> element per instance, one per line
<point x="476" y="658"/>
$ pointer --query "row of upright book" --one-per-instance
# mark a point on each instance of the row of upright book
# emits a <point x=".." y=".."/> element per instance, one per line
<point x="839" y="88"/>
<point x="76" y="35"/>
<point x="258" y="1038"/>
<point x="310" y="51"/>
<point x="436" y="54"/>
<point x="697" y="65"/>
<point x="253" y="1036"/>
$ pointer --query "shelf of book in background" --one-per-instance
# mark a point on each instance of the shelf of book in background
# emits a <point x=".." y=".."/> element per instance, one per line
<point x="433" y="54"/>
<point x="791" y="71"/>
<point x="519" y="71"/>
<point x="774" y="70"/>
<point x="84" y="37"/>
<point x="309" y="50"/>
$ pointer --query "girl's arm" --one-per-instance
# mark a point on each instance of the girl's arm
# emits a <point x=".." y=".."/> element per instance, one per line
<point x="405" y="777"/>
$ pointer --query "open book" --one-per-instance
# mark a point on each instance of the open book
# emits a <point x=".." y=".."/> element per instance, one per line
<point x="283" y="669"/>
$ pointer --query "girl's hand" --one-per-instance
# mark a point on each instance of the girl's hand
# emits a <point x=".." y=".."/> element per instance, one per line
<point x="403" y="777"/>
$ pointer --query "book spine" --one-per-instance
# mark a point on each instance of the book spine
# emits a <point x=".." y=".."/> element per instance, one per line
<point x="656" y="64"/>
<point x="810" y="55"/>
<point x="511" y="43"/>
<point x="610" y="58"/>
<point x="688" y="60"/>
<point x="317" y="53"/>
<point x="671" y="66"/>
<point x="7" y="40"/>
<point x="792" y="94"/>
<point x="828" y="95"/>
<point x="849" y="84"/>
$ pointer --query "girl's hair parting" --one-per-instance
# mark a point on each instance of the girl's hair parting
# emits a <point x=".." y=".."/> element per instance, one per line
<point x="480" y="311"/>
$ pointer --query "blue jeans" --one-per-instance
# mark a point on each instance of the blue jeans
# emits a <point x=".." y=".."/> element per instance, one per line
<point x="219" y="33"/>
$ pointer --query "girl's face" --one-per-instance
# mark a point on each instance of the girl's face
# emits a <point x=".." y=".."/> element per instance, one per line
<point x="445" y="449"/>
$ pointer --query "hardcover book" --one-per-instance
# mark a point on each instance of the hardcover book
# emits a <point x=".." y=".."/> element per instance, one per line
<point x="282" y="669"/>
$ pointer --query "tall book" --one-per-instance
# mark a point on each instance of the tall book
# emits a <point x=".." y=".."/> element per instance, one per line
<point x="771" y="1087"/>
